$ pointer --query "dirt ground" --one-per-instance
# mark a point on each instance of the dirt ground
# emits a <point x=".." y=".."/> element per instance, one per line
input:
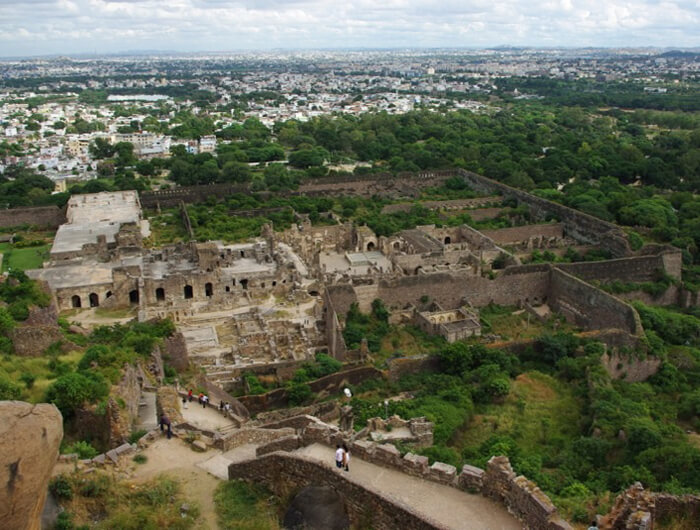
<point x="176" y="459"/>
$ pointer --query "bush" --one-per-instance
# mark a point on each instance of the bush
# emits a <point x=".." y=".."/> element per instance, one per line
<point x="61" y="488"/>
<point x="82" y="448"/>
<point x="28" y="379"/>
<point x="137" y="435"/>
<point x="8" y="389"/>
<point x="70" y="391"/>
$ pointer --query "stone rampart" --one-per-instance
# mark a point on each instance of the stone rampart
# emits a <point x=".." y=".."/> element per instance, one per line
<point x="522" y="497"/>
<point x="286" y="473"/>
<point x="519" y="234"/>
<point x="580" y="226"/>
<point x="250" y="435"/>
<point x="329" y="384"/>
<point x="589" y="307"/>
<point x="632" y="269"/>
<point x="42" y="216"/>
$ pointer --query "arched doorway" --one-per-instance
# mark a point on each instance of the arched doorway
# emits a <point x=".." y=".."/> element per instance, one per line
<point x="370" y="246"/>
<point x="94" y="300"/>
<point x="208" y="289"/>
<point x="134" y="296"/>
<point x="448" y="240"/>
<point x="244" y="284"/>
<point x="188" y="292"/>
<point x="160" y="294"/>
<point x="109" y="293"/>
<point x="75" y="301"/>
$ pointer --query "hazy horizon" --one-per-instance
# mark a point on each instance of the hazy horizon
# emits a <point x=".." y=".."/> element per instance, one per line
<point x="109" y="27"/>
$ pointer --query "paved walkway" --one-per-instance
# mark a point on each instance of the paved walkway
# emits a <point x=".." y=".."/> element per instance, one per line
<point x="209" y="418"/>
<point x="449" y="506"/>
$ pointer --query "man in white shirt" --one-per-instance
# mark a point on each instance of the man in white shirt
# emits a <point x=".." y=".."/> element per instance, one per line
<point x="339" y="457"/>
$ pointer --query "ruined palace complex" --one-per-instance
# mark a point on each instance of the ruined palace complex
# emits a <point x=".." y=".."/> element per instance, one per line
<point x="279" y="299"/>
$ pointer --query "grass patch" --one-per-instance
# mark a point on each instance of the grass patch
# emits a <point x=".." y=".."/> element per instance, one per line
<point x="243" y="506"/>
<point x="14" y="366"/>
<point x="537" y="410"/>
<point x="98" y="501"/>
<point x="23" y="258"/>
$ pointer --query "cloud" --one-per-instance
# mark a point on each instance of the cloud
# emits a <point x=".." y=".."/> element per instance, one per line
<point x="74" y="26"/>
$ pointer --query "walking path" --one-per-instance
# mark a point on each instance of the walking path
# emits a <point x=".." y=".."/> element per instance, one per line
<point x="209" y="418"/>
<point x="452" y="507"/>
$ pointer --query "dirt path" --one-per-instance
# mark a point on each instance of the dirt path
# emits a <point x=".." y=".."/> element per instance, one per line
<point x="175" y="459"/>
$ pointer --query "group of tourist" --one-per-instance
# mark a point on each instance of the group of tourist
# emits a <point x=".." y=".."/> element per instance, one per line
<point x="224" y="407"/>
<point x="342" y="457"/>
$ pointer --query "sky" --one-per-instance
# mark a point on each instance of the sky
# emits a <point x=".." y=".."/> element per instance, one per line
<point x="41" y="27"/>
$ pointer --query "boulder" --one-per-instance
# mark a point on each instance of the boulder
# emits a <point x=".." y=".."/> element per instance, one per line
<point x="30" y="436"/>
<point x="317" y="508"/>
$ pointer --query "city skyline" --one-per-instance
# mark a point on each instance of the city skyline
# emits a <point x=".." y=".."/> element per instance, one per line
<point x="51" y="27"/>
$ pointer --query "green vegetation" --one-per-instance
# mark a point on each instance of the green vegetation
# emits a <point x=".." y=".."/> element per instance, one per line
<point x="243" y="506"/>
<point x="21" y="259"/>
<point x="556" y="414"/>
<point x="372" y="327"/>
<point x="99" y="501"/>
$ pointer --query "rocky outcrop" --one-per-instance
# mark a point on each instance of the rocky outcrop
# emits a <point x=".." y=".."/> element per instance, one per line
<point x="32" y="341"/>
<point x="30" y="436"/>
<point x="175" y="352"/>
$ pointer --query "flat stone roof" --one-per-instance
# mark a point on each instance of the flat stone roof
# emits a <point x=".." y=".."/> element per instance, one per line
<point x="81" y="275"/>
<point x="111" y="206"/>
<point x="72" y="237"/>
<point x="95" y="214"/>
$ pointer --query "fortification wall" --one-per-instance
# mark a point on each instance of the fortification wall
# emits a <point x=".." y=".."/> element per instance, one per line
<point x="632" y="269"/>
<point x="578" y="225"/>
<point x="589" y="307"/>
<point x="450" y="290"/>
<point x="43" y="216"/>
<point x="517" y="234"/>
<point x="520" y="496"/>
<point x="285" y="474"/>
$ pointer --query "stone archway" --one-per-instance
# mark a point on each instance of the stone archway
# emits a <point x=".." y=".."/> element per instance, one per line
<point x="94" y="300"/>
<point x="134" y="297"/>
<point x="75" y="301"/>
<point x="188" y="292"/>
<point x="160" y="294"/>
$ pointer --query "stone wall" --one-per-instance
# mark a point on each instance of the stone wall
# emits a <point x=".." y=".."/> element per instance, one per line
<point x="589" y="307"/>
<point x="42" y="216"/>
<point x="251" y="435"/>
<point x="633" y="269"/>
<point x="522" y="497"/>
<point x="285" y="474"/>
<point x="329" y="384"/>
<point x="629" y="368"/>
<point x="175" y="352"/>
<point x="580" y="226"/>
<point x="522" y="234"/>
<point x="32" y="341"/>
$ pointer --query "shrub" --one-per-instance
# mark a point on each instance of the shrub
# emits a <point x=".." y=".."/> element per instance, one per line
<point x="137" y="435"/>
<point x="82" y="448"/>
<point x="140" y="458"/>
<point x="28" y="379"/>
<point x="61" y="487"/>
<point x="8" y="389"/>
<point x="72" y="390"/>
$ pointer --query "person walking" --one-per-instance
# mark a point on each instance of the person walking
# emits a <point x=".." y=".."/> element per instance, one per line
<point x="189" y="395"/>
<point x="205" y="400"/>
<point x="184" y="403"/>
<point x="165" y="424"/>
<point x="346" y="458"/>
<point x="339" y="457"/>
